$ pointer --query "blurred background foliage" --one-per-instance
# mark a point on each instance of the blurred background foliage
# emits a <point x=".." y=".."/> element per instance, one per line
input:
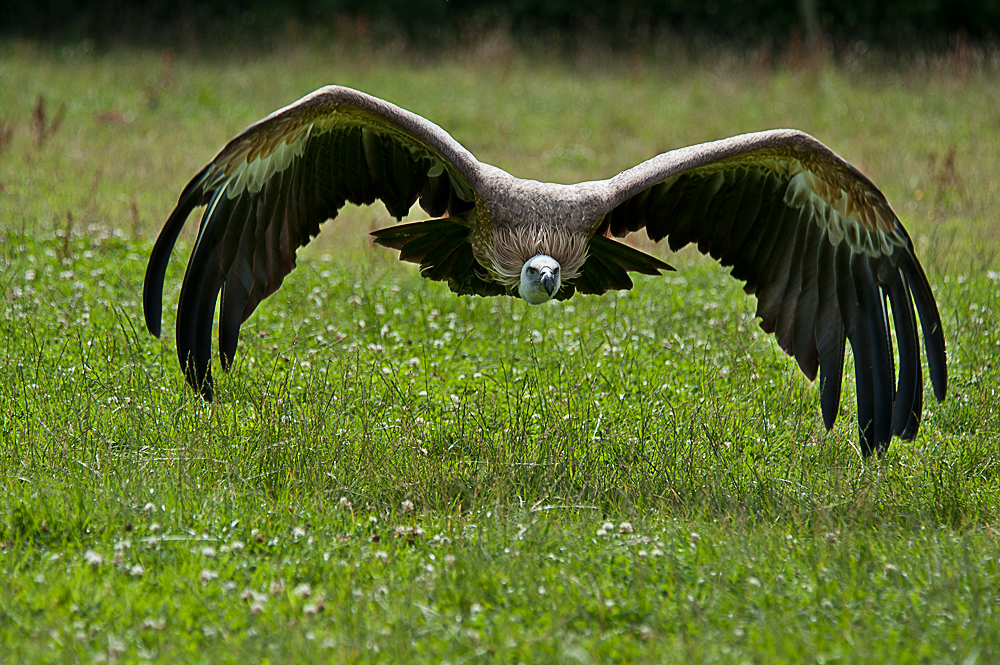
<point x="891" y="24"/>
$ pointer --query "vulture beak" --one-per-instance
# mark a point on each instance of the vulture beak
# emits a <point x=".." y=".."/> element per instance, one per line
<point x="548" y="280"/>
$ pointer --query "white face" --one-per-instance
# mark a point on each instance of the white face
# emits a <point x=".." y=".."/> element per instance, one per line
<point x="540" y="279"/>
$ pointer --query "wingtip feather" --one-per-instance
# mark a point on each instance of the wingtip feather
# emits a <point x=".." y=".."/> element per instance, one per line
<point x="156" y="269"/>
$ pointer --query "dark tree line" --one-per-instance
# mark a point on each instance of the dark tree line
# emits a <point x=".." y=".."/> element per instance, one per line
<point x="888" y="22"/>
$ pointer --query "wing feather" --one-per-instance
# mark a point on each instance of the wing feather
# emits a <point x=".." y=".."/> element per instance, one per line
<point x="874" y="322"/>
<point x="691" y="216"/>
<point x="759" y="241"/>
<point x="804" y="345"/>
<point x="722" y="214"/>
<point x="857" y="334"/>
<point x="775" y="267"/>
<point x="786" y="305"/>
<point x="904" y="419"/>
<point x="752" y="199"/>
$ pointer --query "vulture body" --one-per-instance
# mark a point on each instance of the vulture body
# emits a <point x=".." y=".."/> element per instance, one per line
<point x="810" y="236"/>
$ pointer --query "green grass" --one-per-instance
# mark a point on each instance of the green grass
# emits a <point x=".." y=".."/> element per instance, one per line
<point x="393" y="473"/>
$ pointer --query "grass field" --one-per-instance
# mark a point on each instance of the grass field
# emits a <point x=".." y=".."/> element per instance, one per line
<point x="391" y="472"/>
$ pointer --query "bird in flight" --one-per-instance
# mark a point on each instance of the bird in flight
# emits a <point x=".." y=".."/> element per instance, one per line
<point x="812" y="238"/>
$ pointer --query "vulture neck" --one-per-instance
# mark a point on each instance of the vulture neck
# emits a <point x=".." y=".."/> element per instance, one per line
<point x="510" y="248"/>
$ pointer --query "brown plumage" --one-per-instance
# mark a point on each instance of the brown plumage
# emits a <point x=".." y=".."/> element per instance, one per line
<point x="812" y="238"/>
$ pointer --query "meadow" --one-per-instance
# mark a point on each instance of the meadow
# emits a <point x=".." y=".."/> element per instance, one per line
<point x="391" y="472"/>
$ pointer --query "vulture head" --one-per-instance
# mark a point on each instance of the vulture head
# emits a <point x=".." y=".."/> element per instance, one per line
<point x="540" y="279"/>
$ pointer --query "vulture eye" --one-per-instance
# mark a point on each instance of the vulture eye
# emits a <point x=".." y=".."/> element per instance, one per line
<point x="532" y="271"/>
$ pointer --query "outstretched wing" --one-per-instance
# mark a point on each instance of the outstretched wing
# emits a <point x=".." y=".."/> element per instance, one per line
<point x="819" y="246"/>
<point x="270" y="188"/>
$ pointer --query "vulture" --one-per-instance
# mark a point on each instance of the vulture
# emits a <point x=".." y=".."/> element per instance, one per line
<point x="810" y="236"/>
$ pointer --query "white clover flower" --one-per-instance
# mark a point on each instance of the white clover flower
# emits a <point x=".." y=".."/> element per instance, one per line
<point x="155" y="624"/>
<point x="93" y="559"/>
<point x="302" y="590"/>
<point x="254" y="596"/>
